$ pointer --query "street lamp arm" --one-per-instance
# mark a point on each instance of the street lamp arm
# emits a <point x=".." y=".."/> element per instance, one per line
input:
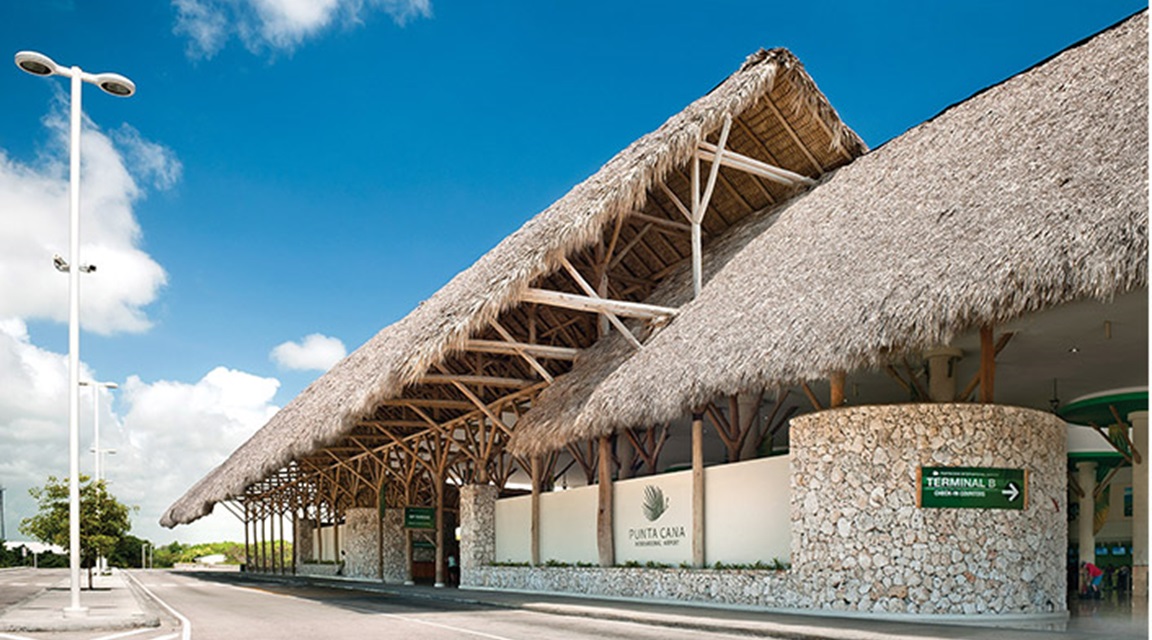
<point x="39" y="64"/>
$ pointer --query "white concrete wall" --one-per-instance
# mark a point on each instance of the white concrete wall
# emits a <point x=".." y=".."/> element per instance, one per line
<point x="746" y="519"/>
<point x="567" y="525"/>
<point x="747" y="511"/>
<point x="514" y="529"/>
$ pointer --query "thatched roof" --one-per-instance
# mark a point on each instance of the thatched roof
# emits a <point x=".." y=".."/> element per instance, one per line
<point x="1031" y="194"/>
<point x="783" y="119"/>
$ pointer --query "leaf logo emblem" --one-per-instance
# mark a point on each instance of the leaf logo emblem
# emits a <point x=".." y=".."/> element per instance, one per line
<point x="655" y="503"/>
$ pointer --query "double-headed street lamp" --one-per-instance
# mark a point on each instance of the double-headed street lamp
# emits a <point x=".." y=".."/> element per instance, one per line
<point x="39" y="64"/>
<point x="99" y="453"/>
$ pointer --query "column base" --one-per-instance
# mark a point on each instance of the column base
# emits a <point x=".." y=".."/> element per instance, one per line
<point x="75" y="612"/>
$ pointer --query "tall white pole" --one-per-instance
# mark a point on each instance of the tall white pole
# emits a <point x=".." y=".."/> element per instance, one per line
<point x="74" y="354"/>
<point x="96" y="432"/>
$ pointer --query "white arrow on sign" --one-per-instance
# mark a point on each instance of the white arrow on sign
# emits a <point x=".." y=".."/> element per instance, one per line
<point x="1011" y="492"/>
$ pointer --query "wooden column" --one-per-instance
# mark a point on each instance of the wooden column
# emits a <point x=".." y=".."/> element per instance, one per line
<point x="263" y="543"/>
<point x="272" y="543"/>
<point x="698" y="490"/>
<point x="408" y="579"/>
<point x="439" y="532"/>
<point x="987" y="364"/>
<point x="535" y="531"/>
<point x="604" y="542"/>
<point x="283" y="566"/>
<point x="837" y="384"/>
<point x="247" y="548"/>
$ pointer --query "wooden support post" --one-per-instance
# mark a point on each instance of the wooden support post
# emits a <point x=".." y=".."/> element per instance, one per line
<point x="987" y="364"/>
<point x="535" y="531"/>
<point x="439" y="531"/>
<point x="282" y="565"/>
<point x="336" y="534"/>
<point x="837" y="395"/>
<point x="247" y="548"/>
<point x="319" y="531"/>
<point x="408" y="578"/>
<point x="698" y="490"/>
<point x="604" y="542"/>
<point x="263" y="544"/>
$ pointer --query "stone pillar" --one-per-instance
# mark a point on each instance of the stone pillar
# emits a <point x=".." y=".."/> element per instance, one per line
<point x="477" y="528"/>
<point x="1085" y="521"/>
<point x="862" y="542"/>
<point x="394" y="547"/>
<point x="360" y="543"/>
<point x="941" y="373"/>
<point x="1139" y="421"/>
<point x="305" y="533"/>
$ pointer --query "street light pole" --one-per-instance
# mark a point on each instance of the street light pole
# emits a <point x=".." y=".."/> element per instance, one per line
<point x="39" y="64"/>
<point x="97" y="451"/>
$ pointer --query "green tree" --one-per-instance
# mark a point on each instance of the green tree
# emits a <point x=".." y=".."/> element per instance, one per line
<point x="103" y="519"/>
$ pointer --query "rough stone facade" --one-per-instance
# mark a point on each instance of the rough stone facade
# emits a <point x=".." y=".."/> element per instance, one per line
<point x="395" y="538"/>
<point x="860" y="543"/>
<point x="477" y="527"/>
<point x="361" y="543"/>
<point x="733" y="587"/>
<point x="304" y="543"/>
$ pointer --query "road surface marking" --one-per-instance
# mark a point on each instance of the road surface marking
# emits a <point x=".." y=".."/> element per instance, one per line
<point x="444" y="626"/>
<point x="185" y="623"/>
<point x="11" y="637"/>
<point x="124" y="634"/>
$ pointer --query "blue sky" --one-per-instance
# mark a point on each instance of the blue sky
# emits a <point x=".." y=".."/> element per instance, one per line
<point x="294" y="168"/>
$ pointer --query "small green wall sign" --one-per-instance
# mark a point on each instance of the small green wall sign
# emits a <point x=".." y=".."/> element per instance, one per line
<point x="419" y="518"/>
<point x="972" y="488"/>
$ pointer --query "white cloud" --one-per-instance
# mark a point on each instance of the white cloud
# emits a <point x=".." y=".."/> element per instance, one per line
<point x="276" y="24"/>
<point x="34" y="204"/>
<point x="316" y="352"/>
<point x="175" y="433"/>
<point x="167" y="435"/>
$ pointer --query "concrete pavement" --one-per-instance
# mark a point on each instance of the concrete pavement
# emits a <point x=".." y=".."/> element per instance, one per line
<point x="117" y="603"/>
<point x="113" y="604"/>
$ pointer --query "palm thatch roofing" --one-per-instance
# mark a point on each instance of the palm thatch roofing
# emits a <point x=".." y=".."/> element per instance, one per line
<point x="1030" y="194"/>
<point x="627" y="207"/>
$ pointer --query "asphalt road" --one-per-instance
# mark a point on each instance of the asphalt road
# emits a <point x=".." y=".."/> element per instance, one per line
<point x="17" y="585"/>
<point x="228" y="607"/>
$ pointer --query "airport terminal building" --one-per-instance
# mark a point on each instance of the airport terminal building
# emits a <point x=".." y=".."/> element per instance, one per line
<point x="751" y="362"/>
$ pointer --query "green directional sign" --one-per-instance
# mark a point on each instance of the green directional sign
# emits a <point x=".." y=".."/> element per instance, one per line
<point x="419" y="517"/>
<point x="972" y="488"/>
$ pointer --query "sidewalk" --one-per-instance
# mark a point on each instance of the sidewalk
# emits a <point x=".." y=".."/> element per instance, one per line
<point x="727" y="620"/>
<point x="112" y="605"/>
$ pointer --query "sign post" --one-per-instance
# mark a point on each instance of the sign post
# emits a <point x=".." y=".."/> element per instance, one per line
<point x="972" y="488"/>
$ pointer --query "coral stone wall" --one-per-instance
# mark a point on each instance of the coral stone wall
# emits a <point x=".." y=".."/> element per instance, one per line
<point x="395" y="539"/>
<point x="304" y="543"/>
<point x="859" y="542"/>
<point x="477" y="527"/>
<point x="360" y="543"/>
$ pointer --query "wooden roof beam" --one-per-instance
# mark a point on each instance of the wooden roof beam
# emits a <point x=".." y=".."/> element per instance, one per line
<point x="595" y="305"/>
<point x="480" y="381"/>
<point x="731" y="159"/>
<point x="516" y="348"/>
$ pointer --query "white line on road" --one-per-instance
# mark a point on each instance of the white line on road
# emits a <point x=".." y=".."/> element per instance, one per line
<point x="6" y="636"/>
<point x="444" y="626"/>
<point x="124" y="634"/>
<point x="185" y="623"/>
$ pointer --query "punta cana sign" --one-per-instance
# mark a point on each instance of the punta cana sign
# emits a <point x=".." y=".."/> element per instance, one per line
<point x="972" y="488"/>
